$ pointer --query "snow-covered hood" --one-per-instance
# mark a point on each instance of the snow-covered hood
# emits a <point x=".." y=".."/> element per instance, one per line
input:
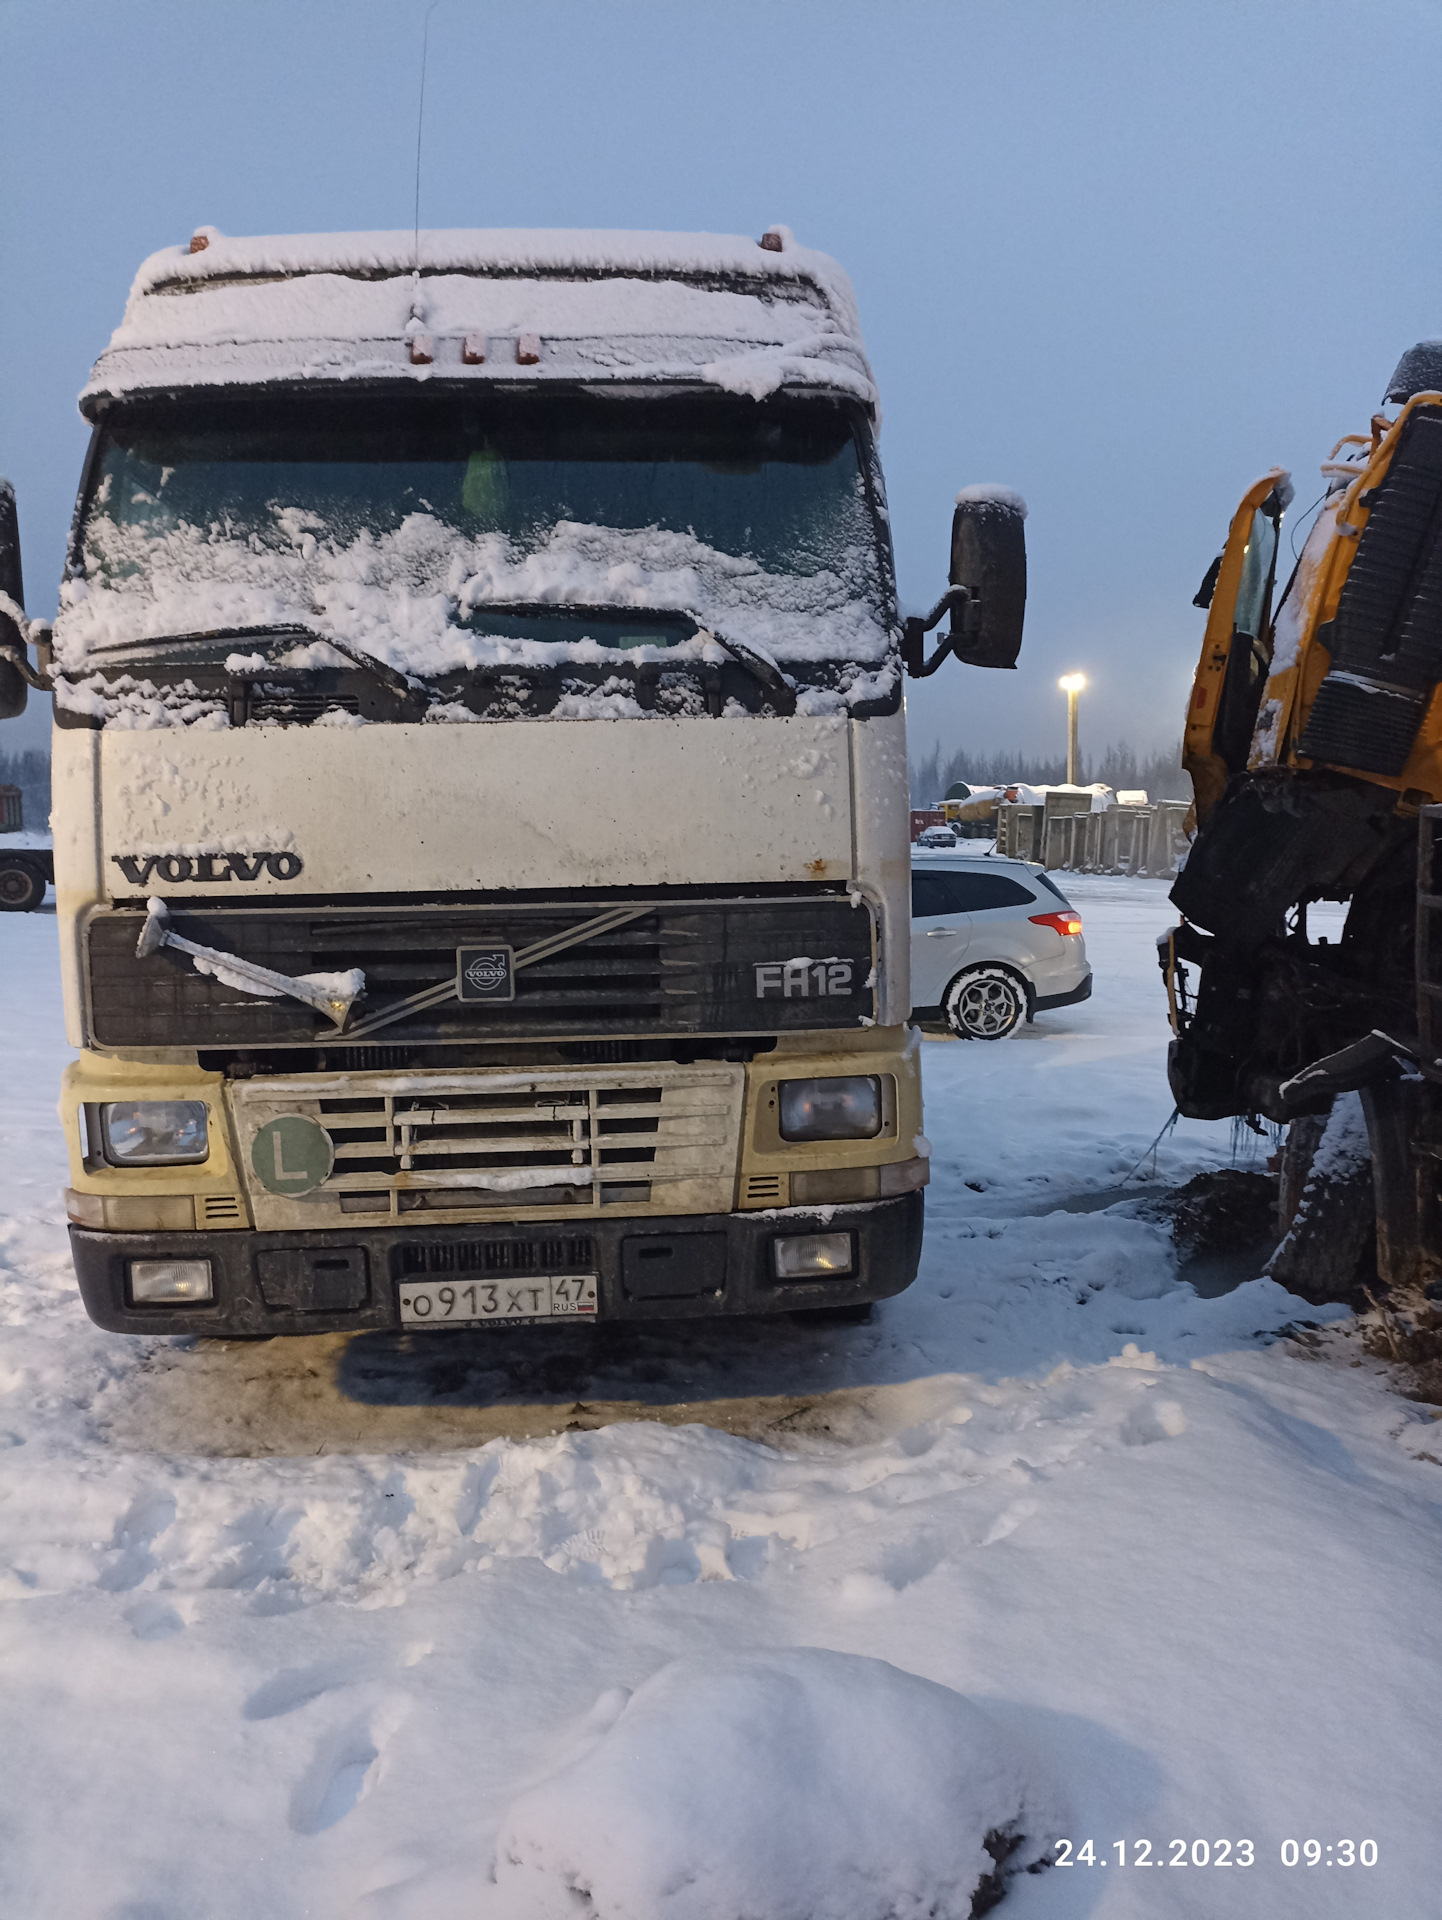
<point x="487" y="306"/>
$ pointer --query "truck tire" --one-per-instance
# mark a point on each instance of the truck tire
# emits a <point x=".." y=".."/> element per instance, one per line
<point x="22" y="886"/>
<point x="985" y="1003"/>
<point x="1328" y="1250"/>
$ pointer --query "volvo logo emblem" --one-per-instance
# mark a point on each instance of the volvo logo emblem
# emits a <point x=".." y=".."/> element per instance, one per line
<point x="211" y="868"/>
<point x="484" y="973"/>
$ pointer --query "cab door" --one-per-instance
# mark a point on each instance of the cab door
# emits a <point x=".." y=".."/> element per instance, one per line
<point x="940" y="932"/>
<point x="1237" y="646"/>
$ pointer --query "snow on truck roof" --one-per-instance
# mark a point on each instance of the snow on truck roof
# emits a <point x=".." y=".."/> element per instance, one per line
<point x="497" y="305"/>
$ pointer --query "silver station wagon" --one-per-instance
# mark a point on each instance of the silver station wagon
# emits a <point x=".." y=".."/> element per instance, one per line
<point x="993" y="942"/>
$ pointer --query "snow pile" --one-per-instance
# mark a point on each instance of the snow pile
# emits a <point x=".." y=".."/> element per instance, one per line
<point x="328" y="1600"/>
<point x="599" y="306"/>
<point x="140" y="706"/>
<point x="794" y="1785"/>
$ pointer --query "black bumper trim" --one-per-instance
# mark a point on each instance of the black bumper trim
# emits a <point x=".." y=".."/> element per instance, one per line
<point x="887" y="1249"/>
<point x="1047" y="1003"/>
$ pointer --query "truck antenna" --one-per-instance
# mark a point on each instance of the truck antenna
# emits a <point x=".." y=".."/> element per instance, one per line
<point x="420" y="129"/>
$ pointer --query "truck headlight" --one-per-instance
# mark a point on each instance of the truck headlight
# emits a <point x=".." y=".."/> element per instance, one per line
<point x="836" y="1109"/>
<point x="170" y="1283"/>
<point x="153" y="1133"/>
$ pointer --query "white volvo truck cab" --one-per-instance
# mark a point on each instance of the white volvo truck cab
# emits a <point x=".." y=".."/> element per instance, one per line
<point x="480" y="787"/>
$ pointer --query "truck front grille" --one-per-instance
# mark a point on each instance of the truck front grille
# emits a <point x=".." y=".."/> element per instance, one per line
<point x="682" y="967"/>
<point x="503" y="1143"/>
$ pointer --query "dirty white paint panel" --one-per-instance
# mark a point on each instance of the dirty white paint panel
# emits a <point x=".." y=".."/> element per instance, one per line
<point x="551" y="804"/>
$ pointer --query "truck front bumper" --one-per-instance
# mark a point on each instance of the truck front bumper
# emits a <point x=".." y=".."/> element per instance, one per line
<point x="691" y="1266"/>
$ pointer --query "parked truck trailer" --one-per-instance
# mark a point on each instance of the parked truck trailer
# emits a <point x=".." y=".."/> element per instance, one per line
<point x="25" y="859"/>
<point x="480" y="787"/>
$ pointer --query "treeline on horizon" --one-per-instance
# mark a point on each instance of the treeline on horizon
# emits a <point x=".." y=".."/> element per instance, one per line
<point x="1118" y="766"/>
<point x="30" y="771"/>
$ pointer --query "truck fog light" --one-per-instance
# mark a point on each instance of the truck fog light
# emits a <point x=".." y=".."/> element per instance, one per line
<point x="835" y="1109"/>
<point x="170" y="1283"/>
<point x="812" y="1256"/>
<point x="153" y="1133"/>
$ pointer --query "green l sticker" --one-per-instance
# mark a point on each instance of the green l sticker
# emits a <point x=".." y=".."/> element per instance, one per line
<point x="292" y="1155"/>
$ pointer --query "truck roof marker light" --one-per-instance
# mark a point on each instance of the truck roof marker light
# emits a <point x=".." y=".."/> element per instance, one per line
<point x="473" y="350"/>
<point x="200" y="240"/>
<point x="776" y="239"/>
<point x="528" y="350"/>
<point x="423" y="349"/>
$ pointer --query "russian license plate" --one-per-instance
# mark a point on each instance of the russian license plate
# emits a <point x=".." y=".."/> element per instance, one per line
<point x="477" y="1303"/>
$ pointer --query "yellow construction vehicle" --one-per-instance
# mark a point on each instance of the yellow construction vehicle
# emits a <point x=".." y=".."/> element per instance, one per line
<point x="1314" y="742"/>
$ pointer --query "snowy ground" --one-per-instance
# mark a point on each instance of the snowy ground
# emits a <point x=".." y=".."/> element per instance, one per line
<point x="286" y="1630"/>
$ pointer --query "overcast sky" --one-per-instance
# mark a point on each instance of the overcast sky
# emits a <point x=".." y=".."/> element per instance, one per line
<point x="1123" y="257"/>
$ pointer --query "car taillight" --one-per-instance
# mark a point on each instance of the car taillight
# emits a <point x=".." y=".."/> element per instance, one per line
<point x="1067" y="922"/>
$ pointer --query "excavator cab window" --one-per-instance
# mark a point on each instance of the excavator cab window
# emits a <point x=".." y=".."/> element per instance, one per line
<point x="1250" y="656"/>
<point x="1258" y="571"/>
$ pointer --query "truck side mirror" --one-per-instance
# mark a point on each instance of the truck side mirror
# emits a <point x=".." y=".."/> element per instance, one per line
<point x="987" y="598"/>
<point x="988" y="558"/>
<point x="13" y="691"/>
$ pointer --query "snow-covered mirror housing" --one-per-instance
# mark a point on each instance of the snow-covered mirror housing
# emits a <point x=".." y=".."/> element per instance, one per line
<point x="1418" y="371"/>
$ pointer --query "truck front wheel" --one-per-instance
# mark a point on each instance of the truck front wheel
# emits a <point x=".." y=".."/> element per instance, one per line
<point x="22" y="887"/>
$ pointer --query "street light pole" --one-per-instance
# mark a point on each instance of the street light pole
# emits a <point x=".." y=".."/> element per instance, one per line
<point x="1071" y="685"/>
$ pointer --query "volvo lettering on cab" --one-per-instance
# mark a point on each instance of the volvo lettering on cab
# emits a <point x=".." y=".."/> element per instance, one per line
<point x="481" y="788"/>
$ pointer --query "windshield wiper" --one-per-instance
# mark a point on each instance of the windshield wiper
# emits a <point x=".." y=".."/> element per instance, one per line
<point x="763" y="670"/>
<point x="388" y="676"/>
<point x="770" y="676"/>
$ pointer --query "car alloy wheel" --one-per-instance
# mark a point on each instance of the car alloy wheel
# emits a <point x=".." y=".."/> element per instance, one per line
<point x="986" y="1003"/>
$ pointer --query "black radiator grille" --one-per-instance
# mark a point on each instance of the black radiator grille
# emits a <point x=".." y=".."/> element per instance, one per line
<point x="682" y="967"/>
<point x="290" y="707"/>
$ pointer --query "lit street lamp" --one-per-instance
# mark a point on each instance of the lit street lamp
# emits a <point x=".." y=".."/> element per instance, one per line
<point x="1071" y="685"/>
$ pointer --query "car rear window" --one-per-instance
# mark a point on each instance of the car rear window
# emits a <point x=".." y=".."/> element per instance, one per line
<point x="953" y="892"/>
<point x="1051" y="887"/>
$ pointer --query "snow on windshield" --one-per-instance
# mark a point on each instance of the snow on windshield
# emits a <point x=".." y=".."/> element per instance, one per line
<point x="405" y="596"/>
<point x="411" y="534"/>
